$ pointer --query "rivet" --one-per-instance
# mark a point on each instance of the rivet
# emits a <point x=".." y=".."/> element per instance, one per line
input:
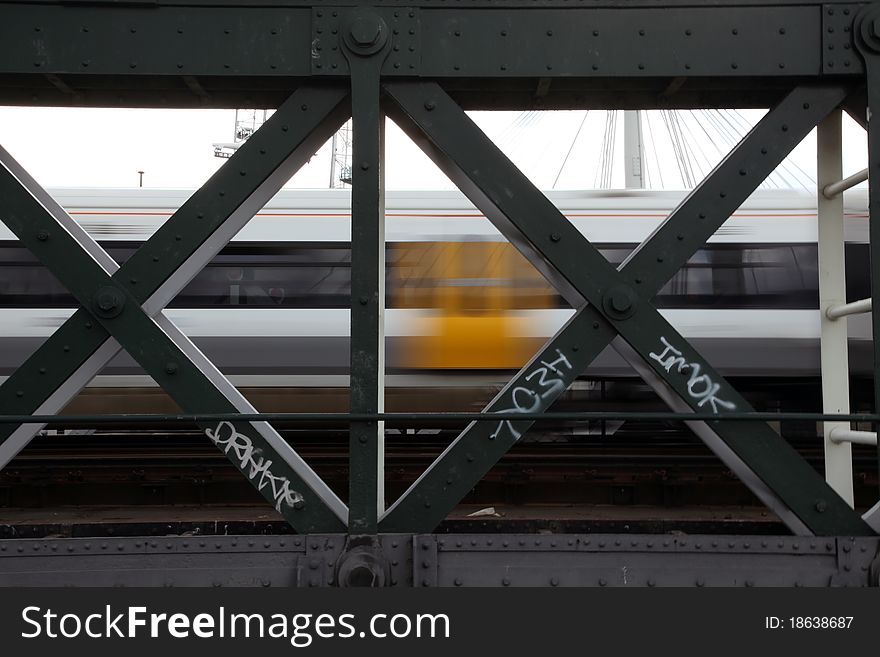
<point x="505" y="582"/>
<point x="284" y="128"/>
<point x="602" y="581"/>
<point x="43" y="235"/>
<point x="782" y="30"/>
<point x="688" y="32"/>
<point x="784" y="127"/>
<point x="555" y="237"/>
<point x="701" y="582"/>
<point x="170" y="368"/>
<point x="457" y="581"/>
<point x="365" y="166"/>
<point x="42" y="370"/>
<point x="364" y="301"/>
<point x="641" y="33"/>
<point x="651" y="583"/>
<point x="554" y="581"/>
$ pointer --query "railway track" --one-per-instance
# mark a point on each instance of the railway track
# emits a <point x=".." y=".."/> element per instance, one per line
<point x="645" y="465"/>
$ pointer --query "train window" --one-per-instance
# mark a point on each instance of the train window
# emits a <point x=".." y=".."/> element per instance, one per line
<point x="476" y="276"/>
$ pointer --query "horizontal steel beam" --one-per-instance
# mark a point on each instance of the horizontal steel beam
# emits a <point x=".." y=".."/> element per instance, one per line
<point x="445" y="560"/>
<point x="440" y="417"/>
<point x="224" y="54"/>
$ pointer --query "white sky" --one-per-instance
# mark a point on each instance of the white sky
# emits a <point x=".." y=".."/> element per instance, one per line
<point x="72" y="147"/>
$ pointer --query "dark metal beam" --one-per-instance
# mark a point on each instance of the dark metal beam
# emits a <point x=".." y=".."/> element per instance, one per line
<point x="868" y="40"/>
<point x="123" y="305"/>
<point x="535" y="226"/>
<point x="366" y="46"/>
<point x="459" y="560"/>
<point x="237" y="49"/>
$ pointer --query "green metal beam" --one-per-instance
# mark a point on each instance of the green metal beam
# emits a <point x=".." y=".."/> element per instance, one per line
<point x="579" y="271"/>
<point x="154" y="275"/>
<point x="115" y="53"/>
<point x="367" y="43"/>
<point x="868" y="40"/>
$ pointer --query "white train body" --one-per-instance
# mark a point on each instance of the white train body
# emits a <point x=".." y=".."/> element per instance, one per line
<point x="278" y="345"/>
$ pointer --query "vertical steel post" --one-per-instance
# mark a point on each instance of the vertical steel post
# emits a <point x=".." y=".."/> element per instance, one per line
<point x="867" y="30"/>
<point x="366" y="36"/>
<point x="832" y="291"/>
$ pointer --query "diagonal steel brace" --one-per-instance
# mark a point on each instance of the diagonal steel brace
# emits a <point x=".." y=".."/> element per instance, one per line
<point x="121" y="301"/>
<point x="618" y="304"/>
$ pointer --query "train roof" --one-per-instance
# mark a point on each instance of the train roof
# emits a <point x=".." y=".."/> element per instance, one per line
<point x="141" y="198"/>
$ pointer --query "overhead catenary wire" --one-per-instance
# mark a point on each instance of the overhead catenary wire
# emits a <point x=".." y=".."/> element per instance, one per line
<point x="571" y="147"/>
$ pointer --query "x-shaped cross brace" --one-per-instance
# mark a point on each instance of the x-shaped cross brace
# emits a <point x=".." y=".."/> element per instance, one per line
<point x="611" y="302"/>
<point x="122" y="306"/>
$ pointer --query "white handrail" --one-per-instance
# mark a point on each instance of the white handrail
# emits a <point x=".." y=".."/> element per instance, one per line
<point x="853" y="308"/>
<point x="832" y="190"/>
<point x="841" y="435"/>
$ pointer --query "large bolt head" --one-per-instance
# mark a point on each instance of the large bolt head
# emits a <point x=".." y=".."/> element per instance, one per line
<point x="620" y="301"/>
<point x="365" y="30"/>
<point x="108" y="302"/>
<point x="366" y="33"/>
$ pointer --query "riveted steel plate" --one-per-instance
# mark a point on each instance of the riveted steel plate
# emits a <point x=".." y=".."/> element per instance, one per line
<point x="839" y="56"/>
<point x="426" y="560"/>
<point x="740" y="41"/>
<point x="329" y="25"/>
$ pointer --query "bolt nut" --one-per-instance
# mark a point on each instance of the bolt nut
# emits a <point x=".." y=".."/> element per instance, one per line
<point x="620" y="301"/>
<point x="108" y="302"/>
<point x="367" y="33"/>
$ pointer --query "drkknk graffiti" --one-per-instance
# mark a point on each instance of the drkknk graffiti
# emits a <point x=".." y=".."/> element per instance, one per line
<point x="253" y="464"/>
<point x="532" y="399"/>
<point x="700" y="387"/>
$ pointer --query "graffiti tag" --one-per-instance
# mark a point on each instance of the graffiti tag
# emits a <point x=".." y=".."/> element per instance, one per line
<point x="700" y="387"/>
<point x="532" y="399"/>
<point x="255" y="466"/>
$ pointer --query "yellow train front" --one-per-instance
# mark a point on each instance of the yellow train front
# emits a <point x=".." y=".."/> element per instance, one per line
<point x="470" y="301"/>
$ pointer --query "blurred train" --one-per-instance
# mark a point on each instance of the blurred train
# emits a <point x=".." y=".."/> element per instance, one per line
<point x="271" y="309"/>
